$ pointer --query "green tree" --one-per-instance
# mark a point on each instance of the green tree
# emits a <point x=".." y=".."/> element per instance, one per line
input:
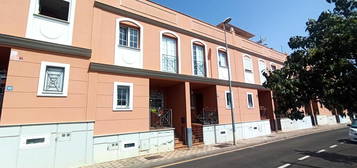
<point x="322" y="66"/>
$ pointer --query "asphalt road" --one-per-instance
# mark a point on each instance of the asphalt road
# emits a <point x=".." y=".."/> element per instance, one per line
<point x="322" y="150"/>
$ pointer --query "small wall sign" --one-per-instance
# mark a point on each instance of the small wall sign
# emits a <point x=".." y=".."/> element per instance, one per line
<point x="9" y="88"/>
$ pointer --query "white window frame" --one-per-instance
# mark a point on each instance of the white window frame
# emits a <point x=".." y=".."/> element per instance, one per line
<point x="41" y="92"/>
<point x="261" y="76"/>
<point x="244" y="66"/>
<point x="249" y="93"/>
<point x="128" y="37"/>
<point x="162" y="33"/>
<point x="205" y="55"/>
<point x="225" y="95"/>
<point x="71" y="4"/>
<point x="115" y="96"/>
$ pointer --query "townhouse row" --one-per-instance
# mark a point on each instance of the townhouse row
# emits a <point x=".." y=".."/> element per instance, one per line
<point x="89" y="81"/>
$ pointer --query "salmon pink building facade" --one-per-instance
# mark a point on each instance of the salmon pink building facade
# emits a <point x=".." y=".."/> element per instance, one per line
<point x="90" y="81"/>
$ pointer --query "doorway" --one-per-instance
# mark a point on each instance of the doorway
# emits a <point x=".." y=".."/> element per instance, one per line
<point x="4" y="64"/>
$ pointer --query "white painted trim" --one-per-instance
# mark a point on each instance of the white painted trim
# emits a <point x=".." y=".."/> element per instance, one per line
<point x="232" y="97"/>
<point x="141" y="39"/>
<point x="178" y="49"/>
<point x="34" y="10"/>
<point x="205" y="55"/>
<point x="260" y="73"/>
<point x="115" y="93"/>
<point x="250" y="93"/>
<point x="244" y="66"/>
<point x="40" y="91"/>
<point x="23" y="140"/>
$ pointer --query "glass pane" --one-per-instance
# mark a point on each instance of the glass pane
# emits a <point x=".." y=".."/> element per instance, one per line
<point x="198" y="60"/>
<point x="169" y="54"/>
<point x="123" y="96"/>
<point x="58" y="9"/>
<point x="134" y="37"/>
<point x="229" y="99"/>
<point x="54" y="78"/>
<point x="250" y="100"/>
<point x="222" y="59"/>
<point x="123" y="39"/>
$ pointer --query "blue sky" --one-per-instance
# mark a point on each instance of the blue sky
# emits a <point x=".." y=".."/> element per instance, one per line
<point x="274" y="20"/>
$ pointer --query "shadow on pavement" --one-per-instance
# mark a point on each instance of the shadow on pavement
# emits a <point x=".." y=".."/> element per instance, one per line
<point x="347" y="141"/>
<point x="332" y="157"/>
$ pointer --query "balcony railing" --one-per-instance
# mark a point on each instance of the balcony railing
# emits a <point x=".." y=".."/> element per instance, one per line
<point x="169" y="63"/>
<point x="199" y="68"/>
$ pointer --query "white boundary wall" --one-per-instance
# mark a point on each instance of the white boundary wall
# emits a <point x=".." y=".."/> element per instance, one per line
<point x="326" y="120"/>
<point x="290" y="125"/>
<point x="213" y="134"/>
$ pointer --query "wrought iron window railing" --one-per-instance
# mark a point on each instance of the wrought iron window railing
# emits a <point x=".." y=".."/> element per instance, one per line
<point x="199" y="68"/>
<point x="169" y="63"/>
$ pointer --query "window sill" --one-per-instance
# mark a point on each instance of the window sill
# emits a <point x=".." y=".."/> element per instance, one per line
<point x="122" y="109"/>
<point x="51" y="95"/>
<point x="51" y="18"/>
<point x="131" y="48"/>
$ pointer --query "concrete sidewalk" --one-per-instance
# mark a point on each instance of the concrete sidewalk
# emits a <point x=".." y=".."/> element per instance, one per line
<point x="204" y="150"/>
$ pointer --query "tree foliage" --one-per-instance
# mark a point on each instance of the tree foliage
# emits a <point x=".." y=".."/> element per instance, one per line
<point x="322" y="66"/>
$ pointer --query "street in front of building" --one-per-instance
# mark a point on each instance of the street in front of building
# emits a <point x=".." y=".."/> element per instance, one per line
<point x="327" y="149"/>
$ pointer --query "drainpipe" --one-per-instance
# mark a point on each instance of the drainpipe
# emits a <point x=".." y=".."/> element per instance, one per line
<point x="226" y="21"/>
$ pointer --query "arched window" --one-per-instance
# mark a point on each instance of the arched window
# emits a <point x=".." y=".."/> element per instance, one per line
<point x="129" y="35"/>
<point x="170" y="43"/>
<point x="248" y="69"/>
<point x="199" y="58"/>
<point x="262" y="69"/>
<point x="129" y="43"/>
<point x="222" y="63"/>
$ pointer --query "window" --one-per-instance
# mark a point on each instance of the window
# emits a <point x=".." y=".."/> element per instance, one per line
<point x="248" y="69"/>
<point x="262" y="69"/>
<point x="199" y="67"/>
<point x="229" y="100"/>
<point x="250" y="100"/>
<point x="58" y="9"/>
<point x="273" y="67"/>
<point x="53" y="79"/>
<point x="129" y="36"/>
<point x="123" y="96"/>
<point x="222" y="59"/>
<point x="169" y="54"/>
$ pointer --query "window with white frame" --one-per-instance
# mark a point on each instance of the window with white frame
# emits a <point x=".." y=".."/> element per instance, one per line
<point x="129" y="36"/>
<point x="273" y="67"/>
<point x="58" y="9"/>
<point x="123" y="96"/>
<point x="250" y="101"/>
<point x="222" y="59"/>
<point x="262" y="69"/>
<point x="53" y="80"/>
<point x="199" y="67"/>
<point x="248" y="69"/>
<point x="229" y="100"/>
<point x="169" y="54"/>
